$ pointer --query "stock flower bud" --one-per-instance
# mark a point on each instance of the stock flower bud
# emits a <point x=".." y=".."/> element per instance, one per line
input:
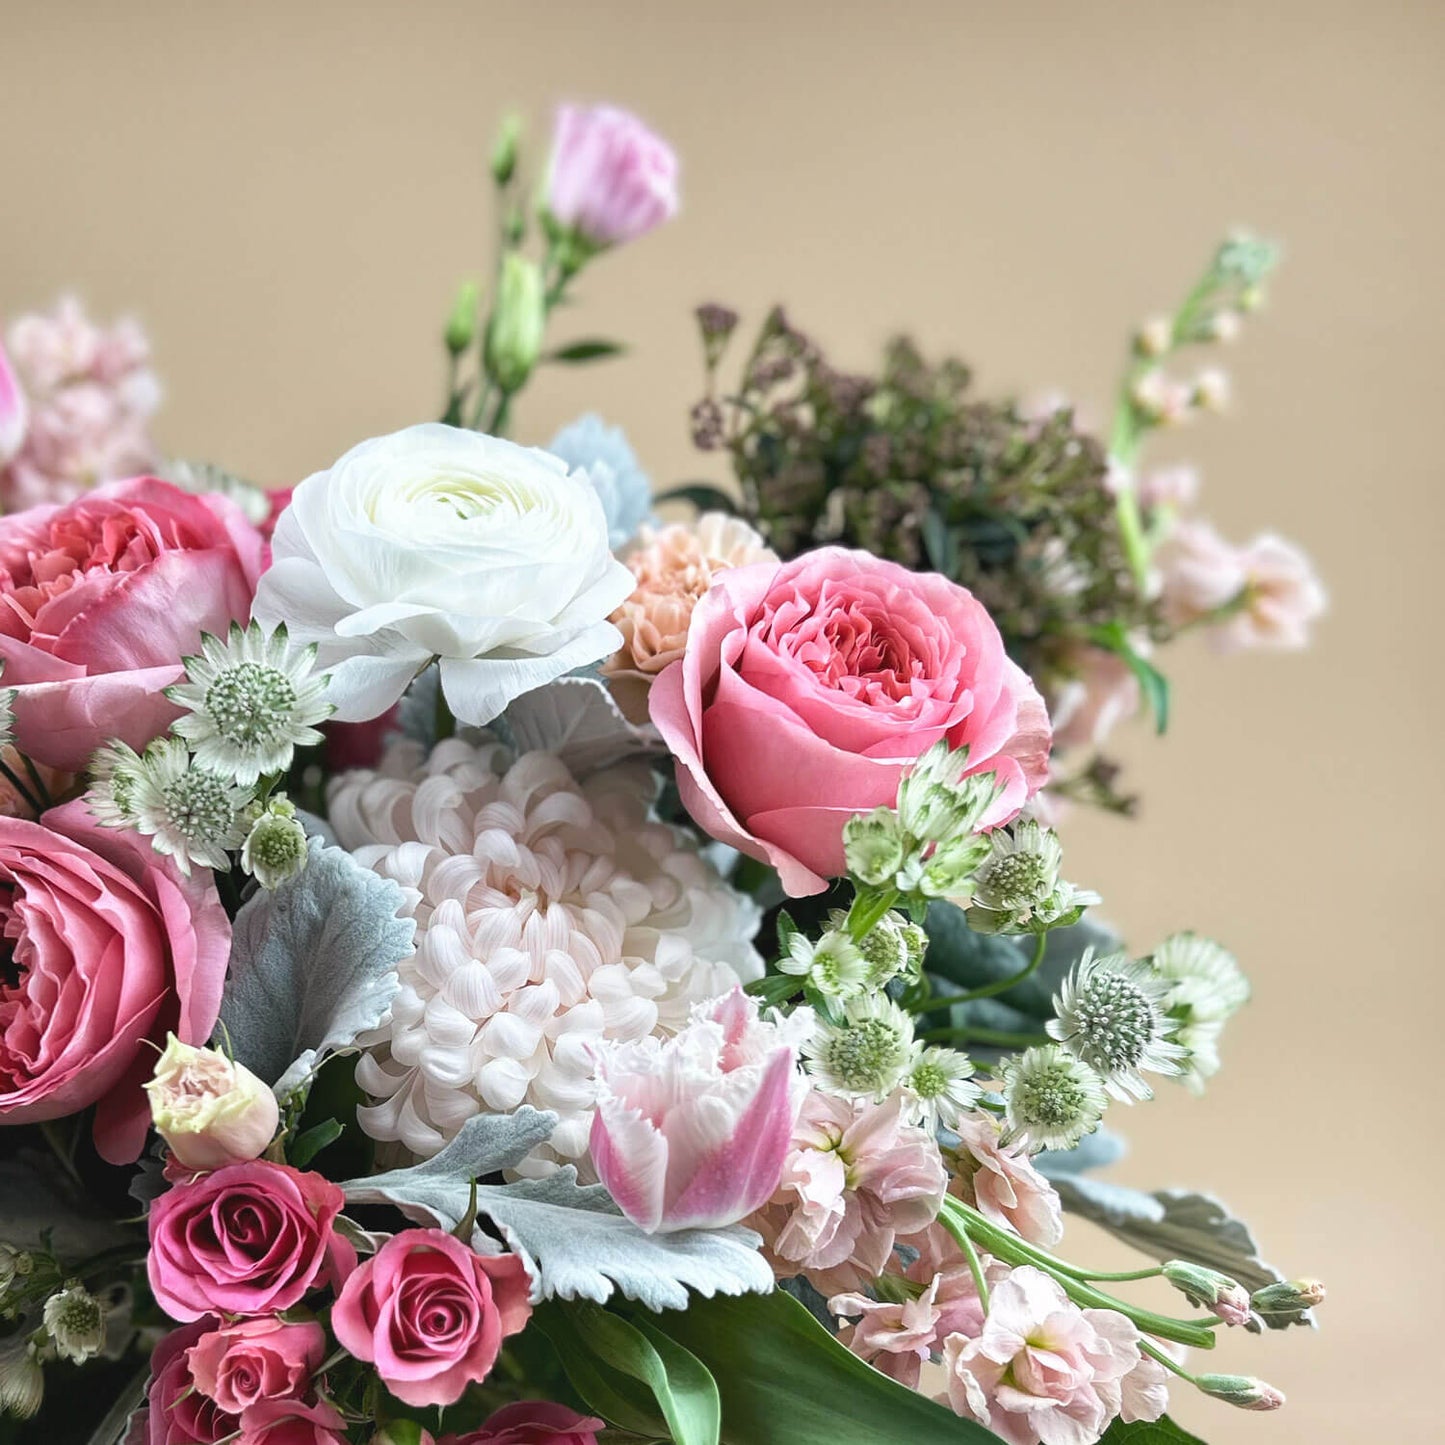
<point x="514" y="333"/>
<point x="1154" y="336"/>
<point x="1243" y="1391"/>
<point x="210" y="1110"/>
<point x="1287" y="1298"/>
<point x="1211" y="1290"/>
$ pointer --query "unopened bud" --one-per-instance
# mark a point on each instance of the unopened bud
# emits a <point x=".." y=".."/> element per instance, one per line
<point x="514" y="333"/>
<point x="504" y="149"/>
<point x="1154" y="337"/>
<point x="8" y="1256"/>
<point x="1159" y="398"/>
<point x="893" y="946"/>
<point x="873" y="846"/>
<point x="403" y="1432"/>
<point x="462" y="323"/>
<point x="1211" y="390"/>
<point x="1243" y="1391"/>
<point x="1251" y="299"/>
<point x="1288" y="1297"/>
<point x="1210" y="1290"/>
<point x="210" y="1110"/>
<point x="1223" y="326"/>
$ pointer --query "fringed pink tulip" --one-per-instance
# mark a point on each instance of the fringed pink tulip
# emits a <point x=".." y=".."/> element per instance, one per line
<point x="691" y="1132"/>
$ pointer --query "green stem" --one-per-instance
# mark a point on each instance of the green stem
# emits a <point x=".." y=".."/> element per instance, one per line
<point x="975" y="1265"/>
<point x="446" y="723"/>
<point x="1173" y="1366"/>
<point x="1002" y="985"/>
<point x="13" y="778"/>
<point x="868" y="909"/>
<point x="994" y="1038"/>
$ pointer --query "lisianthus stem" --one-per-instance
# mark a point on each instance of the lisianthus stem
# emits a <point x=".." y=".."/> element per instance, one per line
<point x="1004" y="1244"/>
<point x="989" y="990"/>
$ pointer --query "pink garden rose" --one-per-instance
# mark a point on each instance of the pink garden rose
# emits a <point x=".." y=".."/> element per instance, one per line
<point x="177" y="1413"/>
<point x="808" y="688"/>
<point x="431" y="1314"/>
<point x="250" y="1239"/>
<point x="111" y="950"/>
<point x="612" y="179"/>
<point x="532" y="1422"/>
<point x="292" y="1422"/>
<point x="255" y="1360"/>
<point x="101" y="598"/>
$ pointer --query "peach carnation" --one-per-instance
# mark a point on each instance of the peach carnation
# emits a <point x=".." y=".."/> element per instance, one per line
<point x="674" y="567"/>
<point x="551" y="914"/>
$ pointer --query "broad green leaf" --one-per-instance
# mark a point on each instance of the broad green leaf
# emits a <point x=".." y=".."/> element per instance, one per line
<point x="308" y="1144"/>
<point x="1148" y="1432"/>
<point x="784" y="1380"/>
<point x="594" y="348"/>
<point x="1154" y="685"/>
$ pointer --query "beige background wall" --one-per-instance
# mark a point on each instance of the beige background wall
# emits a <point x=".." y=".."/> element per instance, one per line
<point x="287" y="193"/>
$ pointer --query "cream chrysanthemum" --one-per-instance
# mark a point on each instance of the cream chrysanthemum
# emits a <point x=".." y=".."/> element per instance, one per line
<point x="551" y="914"/>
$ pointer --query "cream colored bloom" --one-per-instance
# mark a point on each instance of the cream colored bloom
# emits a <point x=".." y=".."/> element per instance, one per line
<point x="210" y="1110"/>
<point x="551" y="915"/>
<point x="674" y="566"/>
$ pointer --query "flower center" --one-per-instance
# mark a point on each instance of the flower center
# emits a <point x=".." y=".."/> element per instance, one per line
<point x="1017" y="877"/>
<point x="864" y="1053"/>
<point x="1115" y="1019"/>
<point x="197" y="806"/>
<point x="1052" y="1099"/>
<point x="250" y="703"/>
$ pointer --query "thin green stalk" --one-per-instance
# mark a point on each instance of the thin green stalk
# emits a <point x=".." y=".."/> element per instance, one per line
<point x="1173" y="1366"/>
<point x="990" y="990"/>
<point x="994" y="1038"/>
<point x="868" y="909"/>
<point x="975" y="1265"/>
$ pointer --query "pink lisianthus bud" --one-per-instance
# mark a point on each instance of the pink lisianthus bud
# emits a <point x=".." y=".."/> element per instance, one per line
<point x="210" y="1110"/>
<point x="612" y="179"/>
<point x="14" y="414"/>
<point x="692" y="1132"/>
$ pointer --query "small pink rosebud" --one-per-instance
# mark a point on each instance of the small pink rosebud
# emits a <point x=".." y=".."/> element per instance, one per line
<point x="14" y="414"/>
<point x="210" y="1110"/>
<point x="612" y="179"/>
<point x="692" y="1132"/>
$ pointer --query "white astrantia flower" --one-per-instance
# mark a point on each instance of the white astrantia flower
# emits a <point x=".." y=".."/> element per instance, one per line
<point x="75" y="1321"/>
<point x="1018" y="887"/>
<point x="189" y="812"/>
<point x="893" y="946"/>
<point x="867" y="1054"/>
<point x="1051" y="1099"/>
<point x="115" y="771"/>
<point x="551" y="914"/>
<point x="1205" y="987"/>
<point x="940" y="1084"/>
<point x="275" y="846"/>
<point x="1109" y="1014"/>
<point x="250" y="702"/>
<point x="605" y="456"/>
<point x="438" y="542"/>
<point x="833" y="964"/>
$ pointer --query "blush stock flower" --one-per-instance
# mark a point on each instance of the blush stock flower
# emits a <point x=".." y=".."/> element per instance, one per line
<point x="252" y="1238"/>
<point x="99" y="601"/>
<point x="550" y="914"/>
<point x="111" y="950"/>
<point x="1002" y="1183"/>
<point x="612" y="180"/>
<point x="691" y="1132"/>
<point x="808" y="689"/>
<point x="431" y="1314"/>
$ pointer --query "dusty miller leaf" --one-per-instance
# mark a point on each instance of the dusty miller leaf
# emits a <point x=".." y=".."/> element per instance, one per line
<point x="313" y="966"/>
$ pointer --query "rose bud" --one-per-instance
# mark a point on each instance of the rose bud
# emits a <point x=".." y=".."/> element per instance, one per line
<point x="210" y="1110"/>
<point x="692" y="1132"/>
<point x="532" y="1422"/>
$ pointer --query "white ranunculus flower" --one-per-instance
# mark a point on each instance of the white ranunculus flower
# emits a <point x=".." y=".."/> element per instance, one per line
<point x="440" y="542"/>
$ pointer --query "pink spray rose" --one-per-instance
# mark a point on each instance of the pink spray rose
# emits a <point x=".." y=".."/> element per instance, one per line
<point x="431" y="1314"/>
<point x="177" y="1413"/>
<point x="254" y="1360"/>
<point x="292" y="1422"/>
<point x="691" y="1132"/>
<point x="88" y="394"/>
<point x="250" y="1239"/>
<point x="612" y="179"/>
<point x="532" y="1422"/>
<point x="808" y="688"/>
<point x="111" y="949"/>
<point x="100" y="600"/>
<point x="858" y="1177"/>
<point x="1042" y="1371"/>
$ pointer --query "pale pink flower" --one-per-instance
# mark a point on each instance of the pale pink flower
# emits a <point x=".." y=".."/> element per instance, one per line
<point x="550" y="913"/>
<point x="1174" y="487"/>
<point x="14" y="413"/>
<point x="674" y="567"/>
<point x="88" y="394"/>
<point x="858" y="1177"/>
<point x="1002" y="1183"/>
<point x="1100" y="692"/>
<point x="691" y="1132"/>
<point x="1042" y="1371"/>
<point x="612" y="179"/>
<point x="1278" y="592"/>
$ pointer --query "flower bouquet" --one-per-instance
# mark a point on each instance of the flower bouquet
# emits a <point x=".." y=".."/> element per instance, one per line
<point x="488" y="965"/>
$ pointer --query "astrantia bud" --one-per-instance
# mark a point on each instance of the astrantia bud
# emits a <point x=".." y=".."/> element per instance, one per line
<point x="75" y="1320"/>
<point x="275" y="848"/>
<point x="873" y="844"/>
<point x="210" y="1110"/>
<point x="1243" y="1391"/>
<point x="891" y="947"/>
<point x="519" y="318"/>
<point x="1210" y="1290"/>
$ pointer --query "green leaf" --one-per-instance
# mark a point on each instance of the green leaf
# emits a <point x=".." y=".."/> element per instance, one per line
<point x="784" y="1380"/>
<point x="594" y="348"/>
<point x="1152" y="682"/>
<point x="703" y="495"/>
<point x="308" y="1144"/>
<point x="685" y="1392"/>
<point x="1162" y="1431"/>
